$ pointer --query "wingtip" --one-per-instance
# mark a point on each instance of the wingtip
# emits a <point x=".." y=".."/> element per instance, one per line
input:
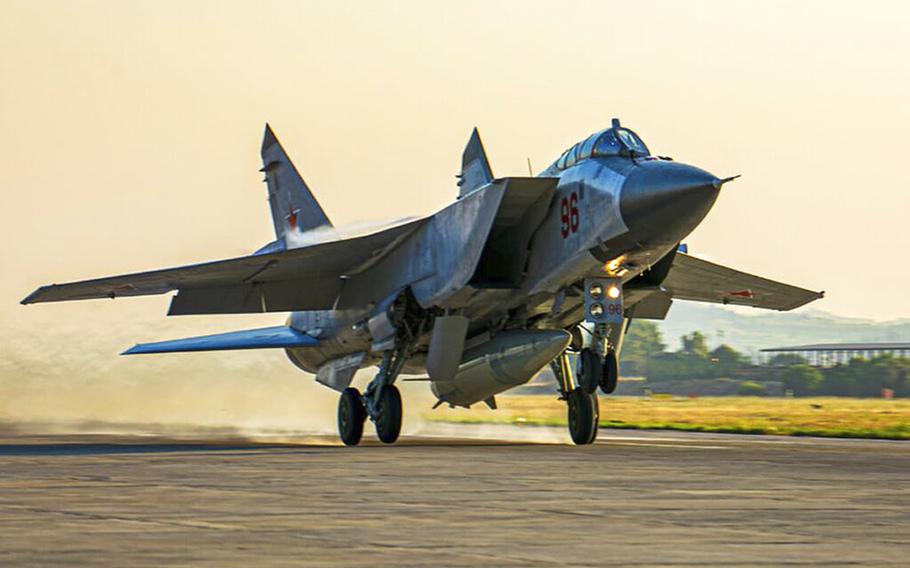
<point x="30" y="299"/>
<point x="137" y="349"/>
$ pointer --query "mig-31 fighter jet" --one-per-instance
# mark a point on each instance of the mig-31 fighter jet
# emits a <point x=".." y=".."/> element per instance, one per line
<point x="478" y="297"/>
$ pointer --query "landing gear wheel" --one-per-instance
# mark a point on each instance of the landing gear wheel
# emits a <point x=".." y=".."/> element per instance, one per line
<point x="590" y="370"/>
<point x="388" y="424"/>
<point x="610" y="376"/>
<point x="351" y="415"/>
<point x="584" y="413"/>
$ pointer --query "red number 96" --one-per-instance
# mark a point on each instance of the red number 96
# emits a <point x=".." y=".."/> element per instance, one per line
<point x="568" y="209"/>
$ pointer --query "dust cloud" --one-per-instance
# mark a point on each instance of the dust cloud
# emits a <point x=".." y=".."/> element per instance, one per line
<point x="493" y="432"/>
<point x="59" y="376"/>
<point x="66" y="380"/>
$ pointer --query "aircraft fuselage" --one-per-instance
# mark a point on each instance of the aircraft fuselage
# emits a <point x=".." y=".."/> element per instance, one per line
<point x="618" y="211"/>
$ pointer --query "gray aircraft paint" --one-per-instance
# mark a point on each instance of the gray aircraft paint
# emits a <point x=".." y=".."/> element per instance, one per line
<point x="500" y="256"/>
<point x="555" y="259"/>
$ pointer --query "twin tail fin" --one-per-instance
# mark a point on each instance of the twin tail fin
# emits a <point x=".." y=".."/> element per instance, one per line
<point x="293" y="206"/>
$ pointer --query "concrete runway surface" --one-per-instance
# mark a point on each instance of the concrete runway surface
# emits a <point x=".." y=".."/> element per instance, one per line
<point x="631" y="499"/>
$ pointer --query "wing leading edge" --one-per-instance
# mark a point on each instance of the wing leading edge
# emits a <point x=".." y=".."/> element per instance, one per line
<point x="692" y="278"/>
<point x="306" y="278"/>
<point x="264" y="338"/>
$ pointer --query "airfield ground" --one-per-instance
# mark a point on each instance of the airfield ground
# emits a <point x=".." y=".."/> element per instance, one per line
<point x="499" y="495"/>
<point x="832" y="416"/>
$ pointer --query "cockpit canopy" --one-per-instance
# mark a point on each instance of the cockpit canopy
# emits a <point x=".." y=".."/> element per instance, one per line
<point x="613" y="141"/>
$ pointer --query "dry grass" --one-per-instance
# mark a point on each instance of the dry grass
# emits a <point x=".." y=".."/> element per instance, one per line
<point x="834" y="417"/>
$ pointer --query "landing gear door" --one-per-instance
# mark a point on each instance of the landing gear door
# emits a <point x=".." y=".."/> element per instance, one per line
<point x="603" y="300"/>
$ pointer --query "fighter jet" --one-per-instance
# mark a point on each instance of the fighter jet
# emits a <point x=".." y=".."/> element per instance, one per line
<point x="516" y="274"/>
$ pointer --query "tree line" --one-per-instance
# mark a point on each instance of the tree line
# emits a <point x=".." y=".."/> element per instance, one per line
<point x="645" y="354"/>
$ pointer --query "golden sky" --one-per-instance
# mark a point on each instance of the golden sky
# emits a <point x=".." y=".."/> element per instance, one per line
<point x="130" y="131"/>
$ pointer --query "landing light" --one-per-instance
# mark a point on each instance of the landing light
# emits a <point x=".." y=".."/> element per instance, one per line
<point x="596" y="291"/>
<point x="615" y="267"/>
<point x="597" y="309"/>
<point x="613" y="292"/>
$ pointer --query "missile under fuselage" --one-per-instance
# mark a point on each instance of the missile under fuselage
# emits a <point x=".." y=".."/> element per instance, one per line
<point x="510" y="359"/>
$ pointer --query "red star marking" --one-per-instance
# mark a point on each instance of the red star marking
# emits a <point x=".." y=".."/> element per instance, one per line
<point x="741" y="293"/>
<point x="292" y="217"/>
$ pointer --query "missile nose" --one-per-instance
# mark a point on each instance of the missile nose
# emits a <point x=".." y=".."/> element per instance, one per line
<point x="664" y="201"/>
<point x="546" y="346"/>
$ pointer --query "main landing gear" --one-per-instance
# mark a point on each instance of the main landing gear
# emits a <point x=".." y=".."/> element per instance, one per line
<point x="597" y="368"/>
<point x="584" y="415"/>
<point x="581" y="400"/>
<point x="381" y="403"/>
<point x="351" y="416"/>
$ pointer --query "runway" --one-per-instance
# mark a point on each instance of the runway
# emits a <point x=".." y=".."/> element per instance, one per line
<point x="631" y="499"/>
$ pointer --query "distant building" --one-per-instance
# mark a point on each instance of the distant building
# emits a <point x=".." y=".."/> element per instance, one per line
<point x="828" y="354"/>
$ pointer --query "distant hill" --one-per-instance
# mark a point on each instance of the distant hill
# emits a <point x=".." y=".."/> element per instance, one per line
<point x="749" y="332"/>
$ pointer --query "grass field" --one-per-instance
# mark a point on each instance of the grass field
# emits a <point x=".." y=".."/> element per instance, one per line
<point x="832" y="417"/>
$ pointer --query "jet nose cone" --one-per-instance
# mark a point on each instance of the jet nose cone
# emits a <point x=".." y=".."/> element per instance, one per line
<point x="664" y="201"/>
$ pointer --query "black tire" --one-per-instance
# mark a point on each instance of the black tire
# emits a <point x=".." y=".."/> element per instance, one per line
<point x="590" y="370"/>
<point x="584" y="414"/>
<point x="610" y="375"/>
<point x="388" y="425"/>
<point x="351" y="415"/>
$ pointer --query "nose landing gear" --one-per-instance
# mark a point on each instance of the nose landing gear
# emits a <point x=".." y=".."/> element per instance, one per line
<point x="609" y="376"/>
<point x="595" y="371"/>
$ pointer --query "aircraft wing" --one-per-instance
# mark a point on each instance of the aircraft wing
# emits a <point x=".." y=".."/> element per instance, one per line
<point x="306" y="278"/>
<point x="692" y="278"/>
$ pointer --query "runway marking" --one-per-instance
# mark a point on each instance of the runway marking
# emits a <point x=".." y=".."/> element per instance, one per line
<point x="659" y="445"/>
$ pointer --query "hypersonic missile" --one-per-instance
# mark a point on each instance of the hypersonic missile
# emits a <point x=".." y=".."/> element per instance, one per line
<point x="510" y="359"/>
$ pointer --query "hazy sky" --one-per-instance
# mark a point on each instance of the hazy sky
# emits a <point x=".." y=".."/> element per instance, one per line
<point x="130" y="132"/>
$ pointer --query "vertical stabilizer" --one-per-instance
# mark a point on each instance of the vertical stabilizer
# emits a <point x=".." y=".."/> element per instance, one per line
<point x="292" y="202"/>
<point x="475" y="168"/>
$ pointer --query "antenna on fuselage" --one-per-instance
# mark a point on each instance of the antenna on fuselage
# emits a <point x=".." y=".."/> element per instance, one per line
<point x="530" y="169"/>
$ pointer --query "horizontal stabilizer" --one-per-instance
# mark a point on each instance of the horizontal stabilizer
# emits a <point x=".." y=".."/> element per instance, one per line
<point x="264" y="338"/>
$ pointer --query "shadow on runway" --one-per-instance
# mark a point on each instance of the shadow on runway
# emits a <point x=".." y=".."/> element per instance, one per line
<point x="94" y="449"/>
